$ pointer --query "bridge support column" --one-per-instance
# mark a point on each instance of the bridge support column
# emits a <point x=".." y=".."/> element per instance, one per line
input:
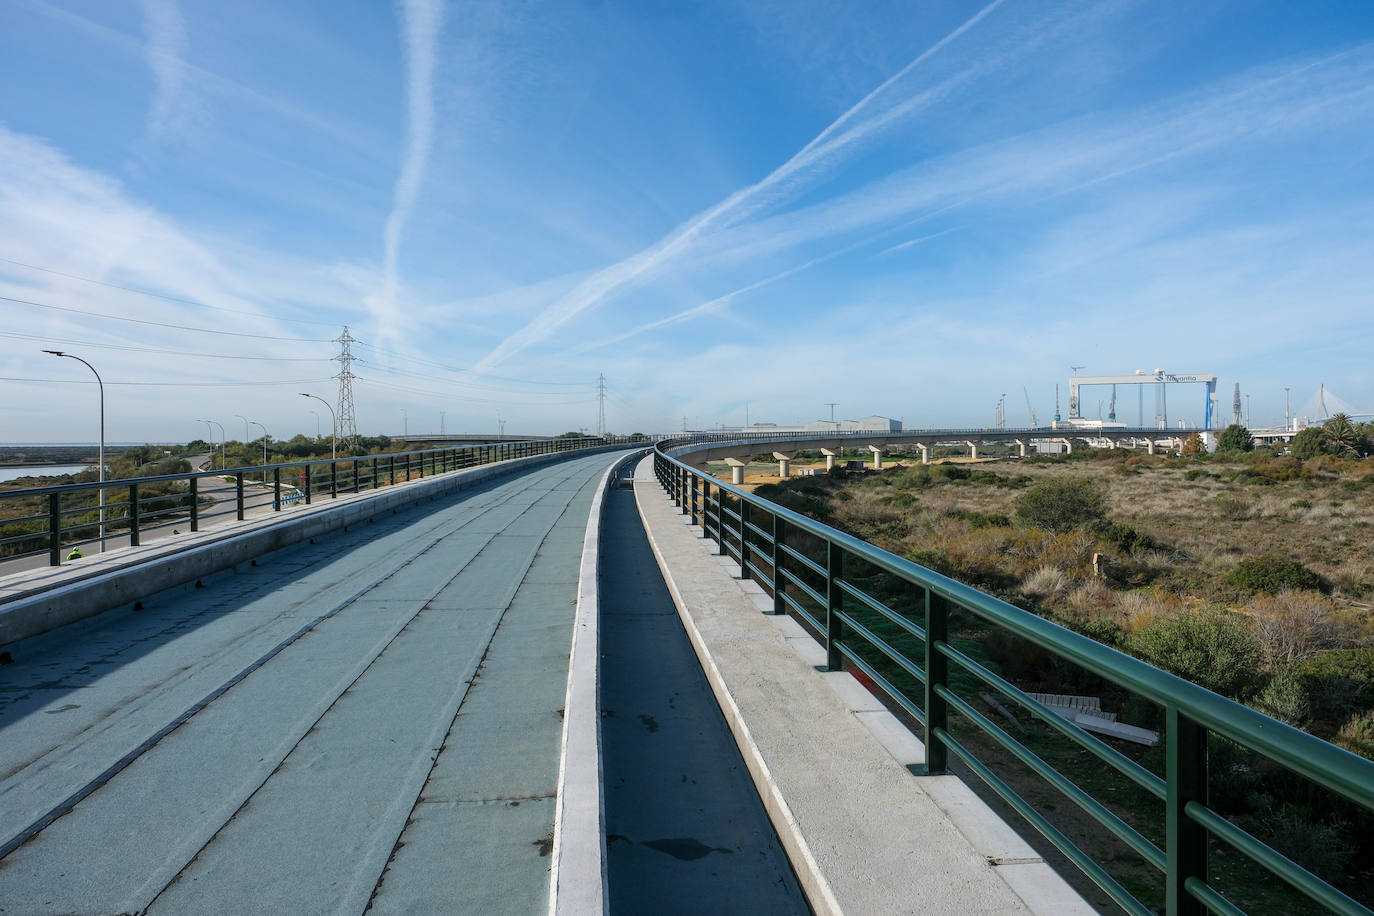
<point x="784" y="463"/>
<point x="1021" y="445"/>
<point x="972" y="450"/>
<point x="925" y="453"/>
<point x="877" y="451"/>
<point x="736" y="471"/>
<point x="1068" y="446"/>
<point x="1150" y="446"/>
<point x="829" y="454"/>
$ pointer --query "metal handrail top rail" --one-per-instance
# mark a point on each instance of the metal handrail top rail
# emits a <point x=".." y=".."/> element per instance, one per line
<point x="1321" y="761"/>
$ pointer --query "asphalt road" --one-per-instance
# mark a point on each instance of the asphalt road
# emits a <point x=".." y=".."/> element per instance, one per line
<point x="369" y="721"/>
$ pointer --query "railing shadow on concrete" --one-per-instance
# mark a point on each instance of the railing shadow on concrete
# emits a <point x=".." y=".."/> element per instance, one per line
<point x="866" y="604"/>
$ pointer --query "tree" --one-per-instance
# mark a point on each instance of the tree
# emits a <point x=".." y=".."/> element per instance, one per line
<point x="1193" y="445"/>
<point x="1309" y="443"/>
<point x="1061" y="504"/>
<point x="1235" y="438"/>
<point x="1340" y="435"/>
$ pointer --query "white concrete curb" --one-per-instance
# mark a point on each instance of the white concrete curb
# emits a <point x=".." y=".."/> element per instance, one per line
<point x="577" y="879"/>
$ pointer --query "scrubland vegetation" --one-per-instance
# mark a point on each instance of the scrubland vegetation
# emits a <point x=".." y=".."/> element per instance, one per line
<point x="1248" y="572"/>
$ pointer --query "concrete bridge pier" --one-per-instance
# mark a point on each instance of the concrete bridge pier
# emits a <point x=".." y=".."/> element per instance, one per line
<point x="736" y="470"/>
<point x="877" y="451"/>
<point x="784" y="463"/>
<point x="925" y="452"/>
<point x="1150" y="446"/>
<point x="830" y="455"/>
<point x="1021" y="446"/>
<point x="972" y="450"/>
<point x="1068" y="446"/>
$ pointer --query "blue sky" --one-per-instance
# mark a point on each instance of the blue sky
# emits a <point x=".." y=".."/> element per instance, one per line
<point x="906" y="208"/>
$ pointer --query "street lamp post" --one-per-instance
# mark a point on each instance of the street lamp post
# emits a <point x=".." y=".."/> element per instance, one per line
<point x="265" y="436"/>
<point x="222" y="437"/>
<point x="211" y="430"/>
<point x="333" y="442"/>
<point x="245" y="427"/>
<point x="101" y="455"/>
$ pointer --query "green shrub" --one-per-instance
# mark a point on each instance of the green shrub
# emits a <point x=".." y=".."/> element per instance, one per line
<point x="1125" y="538"/>
<point x="1285" y="698"/>
<point x="986" y="519"/>
<point x="1322" y="848"/>
<point x="1272" y="574"/>
<point x="1214" y="649"/>
<point x="1357" y="735"/>
<point x="933" y="560"/>
<point x="1061" y="504"/>
<point x="1338" y="681"/>
<point x="1232" y="506"/>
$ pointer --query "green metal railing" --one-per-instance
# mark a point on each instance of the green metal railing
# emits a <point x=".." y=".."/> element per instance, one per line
<point x="56" y="520"/>
<point x="818" y="574"/>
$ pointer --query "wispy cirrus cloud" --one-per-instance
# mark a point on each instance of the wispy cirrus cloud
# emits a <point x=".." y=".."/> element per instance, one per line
<point x="422" y="21"/>
<point x="866" y="117"/>
<point x="166" y="56"/>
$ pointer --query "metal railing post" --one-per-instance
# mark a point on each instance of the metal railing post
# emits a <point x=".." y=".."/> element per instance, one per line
<point x="307" y="484"/>
<point x="238" y="494"/>
<point x="376" y="482"/>
<point x="195" y="504"/>
<point x="834" y="604"/>
<point x="779" y="527"/>
<point x="333" y="480"/>
<point x="692" y="498"/>
<point x="54" y="529"/>
<point x="743" y="539"/>
<point x="356" y="463"/>
<point x="391" y="479"/>
<point x="276" y="489"/>
<point x="1185" y="777"/>
<point x="937" y="675"/>
<point x="133" y="515"/>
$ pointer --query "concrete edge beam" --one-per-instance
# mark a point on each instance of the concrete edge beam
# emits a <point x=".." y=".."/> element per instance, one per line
<point x="48" y="608"/>
<point x="577" y="875"/>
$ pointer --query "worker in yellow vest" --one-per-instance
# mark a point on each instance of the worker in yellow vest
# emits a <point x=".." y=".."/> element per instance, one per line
<point x="76" y="554"/>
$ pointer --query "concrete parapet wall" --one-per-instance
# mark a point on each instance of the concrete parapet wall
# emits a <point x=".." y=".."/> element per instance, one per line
<point x="111" y="580"/>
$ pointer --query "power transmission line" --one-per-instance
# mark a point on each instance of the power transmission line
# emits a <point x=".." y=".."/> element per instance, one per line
<point x="105" y="346"/>
<point x="160" y="324"/>
<point x="67" y="381"/>
<point x="151" y="294"/>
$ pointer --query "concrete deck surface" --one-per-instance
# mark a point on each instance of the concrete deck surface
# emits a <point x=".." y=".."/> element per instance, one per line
<point x="370" y="720"/>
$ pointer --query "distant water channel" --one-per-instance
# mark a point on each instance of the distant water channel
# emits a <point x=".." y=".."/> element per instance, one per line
<point x="51" y="470"/>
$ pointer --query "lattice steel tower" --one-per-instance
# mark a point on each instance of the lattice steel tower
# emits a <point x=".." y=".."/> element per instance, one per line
<point x="348" y="419"/>
<point x="601" y="405"/>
